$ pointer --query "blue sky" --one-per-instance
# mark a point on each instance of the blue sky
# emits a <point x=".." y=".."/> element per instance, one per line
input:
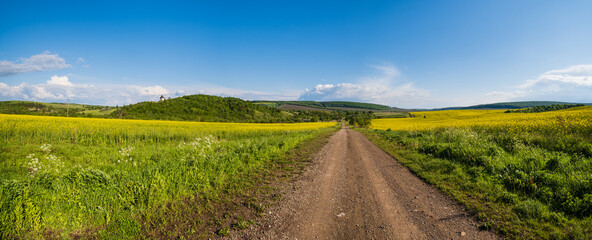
<point x="413" y="54"/>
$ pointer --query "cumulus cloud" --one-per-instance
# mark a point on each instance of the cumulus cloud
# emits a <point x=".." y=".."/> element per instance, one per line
<point x="579" y="75"/>
<point x="245" y="94"/>
<point x="59" y="88"/>
<point x="13" y="91"/>
<point x="62" y="81"/>
<point x="381" y="88"/>
<point x="39" y="62"/>
<point x="571" y="84"/>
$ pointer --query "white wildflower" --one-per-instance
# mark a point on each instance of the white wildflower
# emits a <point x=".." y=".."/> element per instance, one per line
<point x="46" y="147"/>
<point x="201" y="146"/>
<point x="125" y="153"/>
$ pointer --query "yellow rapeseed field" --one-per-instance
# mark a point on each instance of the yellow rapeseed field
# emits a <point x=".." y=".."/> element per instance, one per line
<point x="564" y="121"/>
<point x="95" y="128"/>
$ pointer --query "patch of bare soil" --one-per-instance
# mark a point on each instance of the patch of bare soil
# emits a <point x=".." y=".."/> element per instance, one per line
<point x="357" y="191"/>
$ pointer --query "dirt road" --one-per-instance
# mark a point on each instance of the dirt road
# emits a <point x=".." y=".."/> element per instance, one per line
<point x="357" y="191"/>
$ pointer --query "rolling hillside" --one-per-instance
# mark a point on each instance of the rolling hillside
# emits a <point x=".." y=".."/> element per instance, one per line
<point x="208" y="108"/>
<point x="332" y="105"/>
<point x="53" y="109"/>
<point x="202" y="108"/>
<point x="508" y="105"/>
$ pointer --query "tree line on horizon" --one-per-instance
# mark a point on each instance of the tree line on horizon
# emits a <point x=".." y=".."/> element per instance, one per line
<point x="537" y="109"/>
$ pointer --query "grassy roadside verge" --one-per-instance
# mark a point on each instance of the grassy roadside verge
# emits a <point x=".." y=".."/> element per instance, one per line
<point x="236" y="208"/>
<point x="519" y="188"/>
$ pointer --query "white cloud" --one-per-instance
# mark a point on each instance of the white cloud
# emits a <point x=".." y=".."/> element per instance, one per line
<point x="579" y="75"/>
<point x="39" y="62"/>
<point x="320" y="88"/>
<point x="571" y="84"/>
<point x="14" y="91"/>
<point x="151" y="91"/>
<point x="62" y="81"/>
<point x="241" y="93"/>
<point x="388" y="71"/>
<point x="60" y="88"/>
<point x="80" y="60"/>
<point x="57" y="88"/>
<point x="380" y="89"/>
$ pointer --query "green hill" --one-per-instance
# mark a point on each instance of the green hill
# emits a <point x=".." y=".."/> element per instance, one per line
<point x="188" y="108"/>
<point x="199" y="108"/>
<point x="208" y="108"/>
<point x="52" y="109"/>
<point x="332" y="105"/>
<point x="508" y="105"/>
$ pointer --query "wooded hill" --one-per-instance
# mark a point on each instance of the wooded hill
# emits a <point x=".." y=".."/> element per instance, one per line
<point x="187" y="108"/>
<point x="52" y="109"/>
<point x="538" y="109"/>
<point x="208" y="108"/>
<point x="509" y="105"/>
